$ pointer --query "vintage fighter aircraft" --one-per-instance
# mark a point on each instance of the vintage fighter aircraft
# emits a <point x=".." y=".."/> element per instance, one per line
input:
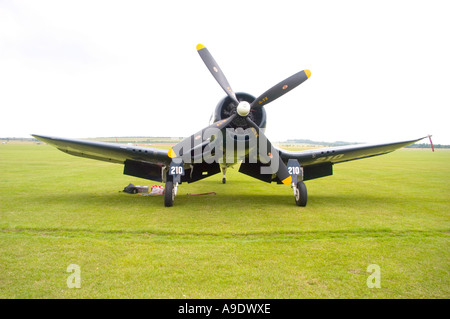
<point x="235" y="136"/>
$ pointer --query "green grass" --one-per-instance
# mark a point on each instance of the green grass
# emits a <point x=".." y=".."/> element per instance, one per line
<point x="248" y="241"/>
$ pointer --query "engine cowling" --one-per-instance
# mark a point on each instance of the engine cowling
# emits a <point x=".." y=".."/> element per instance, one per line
<point x="225" y="108"/>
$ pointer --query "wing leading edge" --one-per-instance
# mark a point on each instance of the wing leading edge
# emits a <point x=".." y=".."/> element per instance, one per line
<point x="345" y="153"/>
<point x="109" y="152"/>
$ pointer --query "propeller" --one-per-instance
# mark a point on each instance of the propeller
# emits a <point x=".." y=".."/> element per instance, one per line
<point x="243" y="108"/>
<point x="281" y="88"/>
<point x="216" y="72"/>
<point x="282" y="170"/>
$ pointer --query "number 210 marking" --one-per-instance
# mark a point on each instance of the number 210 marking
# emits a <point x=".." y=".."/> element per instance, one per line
<point x="294" y="170"/>
<point x="176" y="170"/>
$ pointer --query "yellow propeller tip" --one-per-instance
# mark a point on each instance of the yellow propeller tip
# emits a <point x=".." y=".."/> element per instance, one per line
<point x="171" y="153"/>
<point x="200" y="46"/>
<point x="308" y="73"/>
<point x="287" y="180"/>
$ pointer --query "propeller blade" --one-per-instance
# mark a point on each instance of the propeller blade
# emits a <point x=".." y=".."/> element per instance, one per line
<point x="198" y="139"/>
<point x="215" y="70"/>
<point x="282" y="171"/>
<point x="281" y="88"/>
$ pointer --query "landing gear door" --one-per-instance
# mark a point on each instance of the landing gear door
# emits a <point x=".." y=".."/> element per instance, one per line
<point x="295" y="170"/>
<point x="176" y="170"/>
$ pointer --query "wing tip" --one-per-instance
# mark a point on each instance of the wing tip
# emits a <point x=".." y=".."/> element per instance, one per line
<point x="38" y="136"/>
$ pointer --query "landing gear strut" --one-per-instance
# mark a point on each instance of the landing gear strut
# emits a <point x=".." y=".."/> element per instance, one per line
<point x="224" y="171"/>
<point x="173" y="178"/>
<point x="299" y="188"/>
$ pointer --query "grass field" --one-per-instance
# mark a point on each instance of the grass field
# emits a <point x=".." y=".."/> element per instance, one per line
<point x="248" y="241"/>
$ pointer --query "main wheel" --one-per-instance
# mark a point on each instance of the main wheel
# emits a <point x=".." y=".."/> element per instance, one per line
<point x="169" y="194"/>
<point x="301" y="195"/>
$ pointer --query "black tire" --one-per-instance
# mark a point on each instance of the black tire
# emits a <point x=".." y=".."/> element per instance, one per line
<point x="302" y="195"/>
<point x="168" y="194"/>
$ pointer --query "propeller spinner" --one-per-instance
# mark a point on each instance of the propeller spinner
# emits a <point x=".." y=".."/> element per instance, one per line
<point x="243" y="108"/>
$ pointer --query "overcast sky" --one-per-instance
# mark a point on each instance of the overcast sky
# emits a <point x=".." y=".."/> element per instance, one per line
<point x="380" y="69"/>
